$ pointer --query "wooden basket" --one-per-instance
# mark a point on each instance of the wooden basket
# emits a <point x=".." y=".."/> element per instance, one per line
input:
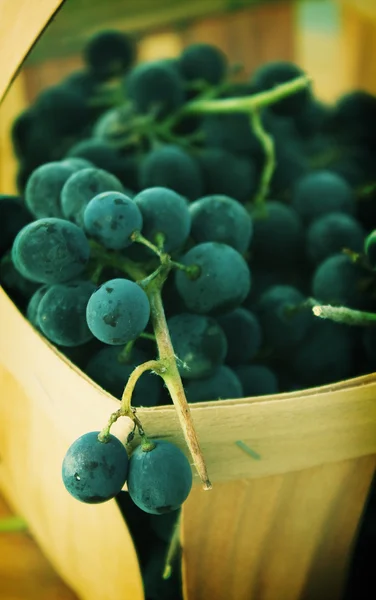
<point x="278" y="528"/>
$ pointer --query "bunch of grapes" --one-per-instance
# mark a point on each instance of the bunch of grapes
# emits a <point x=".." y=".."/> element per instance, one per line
<point x="175" y="227"/>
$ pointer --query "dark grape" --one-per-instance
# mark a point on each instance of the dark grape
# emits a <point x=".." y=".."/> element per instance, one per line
<point x="164" y="211"/>
<point x="62" y="110"/>
<point x="42" y="193"/>
<point x="338" y="280"/>
<point x="50" y="251"/>
<point x="227" y="174"/>
<point x="100" y="153"/>
<point x="109" y="54"/>
<point x="257" y="380"/>
<point x="118" y="312"/>
<point x="320" y="193"/>
<point x="163" y="525"/>
<point x="231" y="132"/>
<point x="272" y="74"/>
<point x="221" y="219"/>
<point x="221" y="385"/>
<point x="332" y="233"/>
<point x="77" y="163"/>
<point x="198" y="342"/>
<point x="280" y="327"/>
<point x="109" y="369"/>
<point x="94" y="471"/>
<point x="14" y="284"/>
<point x="111" y="218"/>
<point x="81" y="187"/>
<point x="33" y="305"/>
<point x="277" y="235"/>
<point x="159" y="480"/>
<point x="354" y="118"/>
<point x="223" y="283"/>
<point x="13" y="217"/>
<point x="61" y="313"/>
<point x="155" y="87"/>
<point x="203" y="62"/>
<point x="172" y="167"/>
<point x="243" y="333"/>
<point x="82" y="82"/>
<point x="21" y="130"/>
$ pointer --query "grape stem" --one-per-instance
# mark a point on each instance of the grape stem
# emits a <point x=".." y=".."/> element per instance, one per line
<point x="173" y="549"/>
<point x="116" y="260"/>
<point x="171" y="375"/>
<point x="12" y="525"/>
<point x="140" y="239"/>
<point x="267" y="144"/>
<point x="347" y="316"/>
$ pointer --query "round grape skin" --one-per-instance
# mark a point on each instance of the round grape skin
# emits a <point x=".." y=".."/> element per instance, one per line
<point x="227" y="174"/>
<point x="43" y="188"/>
<point x="354" y="118"/>
<point x="61" y="314"/>
<point x="370" y="248"/>
<point x="81" y="187"/>
<point x="18" y="288"/>
<point x="322" y="192"/>
<point x="93" y="471"/>
<point x="280" y="329"/>
<point x="224" y="281"/>
<point x="77" y="163"/>
<point x="243" y="333"/>
<point x="337" y="280"/>
<point x="159" y="480"/>
<point x="112" y="375"/>
<point x="198" y="342"/>
<point x="111" y="218"/>
<point x="332" y="233"/>
<point x="223" y="384"/>
<point x="118" y="312"/>
<point x="277" y="235"/>
<point x="275" y="73"/>
<point x="62" y="110"/>
<point x="203" y="62"/>
<point x="100" y="153"/>
<point x="325" y="354"/>
<point x="164" y="211"/>
<point x="109" y="54"/>
<point x="230" y="132"/>
<point x="155" y="87"/>
<point x="33" y="305"/>
<point x="221" y="219"/>
<point x="13" y="217"/>
<point x="50" y="251"/>
<point x="257" y="380"/>
<point x="172" y="167"/>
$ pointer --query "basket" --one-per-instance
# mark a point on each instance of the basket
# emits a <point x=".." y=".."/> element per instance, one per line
<point x="281" y="527"/>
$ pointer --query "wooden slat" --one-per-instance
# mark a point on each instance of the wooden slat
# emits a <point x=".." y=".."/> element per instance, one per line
<point x="13" y="104"/>
<point x="287" y="537"/>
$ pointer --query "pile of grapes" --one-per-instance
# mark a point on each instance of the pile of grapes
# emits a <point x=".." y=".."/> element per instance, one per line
<point x="250" y="206"/>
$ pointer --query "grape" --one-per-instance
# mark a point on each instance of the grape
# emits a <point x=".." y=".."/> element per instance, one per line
<point x="227" y="174"/>
<point x="164" y="211"/>
<point x="198" y="342"/>
<point x="81" y="187"/>
<point x="50" y="251"/>
<point x="14" y="284"/>
<point x="338" y="280"/>
<point x="62" y="110"/>
<point x="100" y="153"/>
<point x="222" y="384"/>
<point x="109" y="53"/>
<point x="277" y="235"/>
<point x="163" y="525"/>
<point x="203" y="62"/>
<point x="257" y="380"/>
<point x="159" y="480"/>
<point x="281" y="328"/>
<point x="354" y="117"/>
<point x="21" y="129"/>
<point x="221" y="219"/>
<point x="332" y="233"/>
<point x="77" y="163"/>
<point x="114" y="124"/>
<point x="243" y="333"/>
<point x="275" y="73"/>
<point x="324" y="356"/>
<point x="112" y="375"/>
<point x="33" y="305"/>
<point x="291" y="165"/>
<point x="13" y="217"/>
<point x="82" y="82"/>
<point x="223" y="283"/>
<point x="42" y="193"/>
<point x="94" y="471"/>
<point x="155" y="87"/>
<point x="231" y="132"/>
<point x="312" y="118"/>
<point x="320" y="193"/>
<point x="111" y="218"/>
<point x="118" y="312"/>
<point x="370" y="248"/>
<point x="172" y="167"/>
<point x="61" y="313"/>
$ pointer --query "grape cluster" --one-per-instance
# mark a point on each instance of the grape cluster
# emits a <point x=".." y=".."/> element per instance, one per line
<point x="118" y="175"/>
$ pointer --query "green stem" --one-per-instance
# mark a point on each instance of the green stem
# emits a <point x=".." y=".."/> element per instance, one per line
<point x="248" y="103"/>
<point x="347" y="316"/>
<point x="125" y="353"/>
<point x="140" y="239"/>
<point x="173" y="549"/>
<point x="12" y="525"/>
<point x="267" y="144"/>
<point x="193" y="271"/>
<point x="171" y="376"/>
<point x="117" y="261"/>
